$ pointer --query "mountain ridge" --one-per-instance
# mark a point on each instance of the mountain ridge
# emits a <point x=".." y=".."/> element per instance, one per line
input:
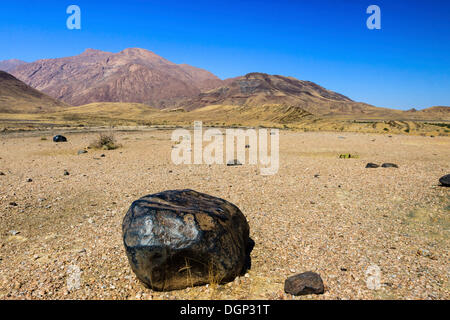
<point x="131" y="75"/>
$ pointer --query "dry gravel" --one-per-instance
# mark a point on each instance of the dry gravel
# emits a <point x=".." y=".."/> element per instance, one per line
<point x="337" y="224"/>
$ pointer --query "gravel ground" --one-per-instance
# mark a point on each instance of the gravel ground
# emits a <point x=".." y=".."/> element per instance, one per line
<point x="337" y="224"/>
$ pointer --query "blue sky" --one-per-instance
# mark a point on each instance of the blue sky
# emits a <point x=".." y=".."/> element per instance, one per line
<point x="405" y="64"/>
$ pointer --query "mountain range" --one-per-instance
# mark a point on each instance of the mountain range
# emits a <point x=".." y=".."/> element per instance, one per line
<point x="142" y="77"/>
<point x="132" y="75"/>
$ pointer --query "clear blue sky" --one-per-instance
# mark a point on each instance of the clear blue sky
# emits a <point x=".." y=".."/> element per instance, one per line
<point x="405" y="64"/>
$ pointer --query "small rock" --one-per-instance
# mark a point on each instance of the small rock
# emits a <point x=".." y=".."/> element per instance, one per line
<point x="29" y="180"/>
<point x="372" y="165"/>
<point x="59" y="138"/>
<point x="102" y="155"/>
<point x="13" y="204"/>
<point x="234" y="162"/>
<point x="304" y="283"/>
<point x="14" y="232"/>
<point x="445" y="180"/>
<point x="247" y="146"/>
<point x="426" y="253"/>
<point x="316" y="175"/>
<point x="1" y="173"/>
<point x="389" y="165"/>
<point x="81" y="152"/>
<point x="66" y="173"/>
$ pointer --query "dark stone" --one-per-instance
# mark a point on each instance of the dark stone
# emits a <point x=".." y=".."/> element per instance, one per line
<point x="247" y="146"/>
<point x="59" y="138"/>
<point x="102" y="156"/>
<point x="372" y="165"/>
<point x="1" y="173"/>
<point x="389" y="165"/>
<point x="81" y="152"/>
<point x="29" y="180"/>
<point x="182" y="238"/>
<point x="13" y="204"/>
<point x="445" y="180"/>
<point x="304" y="283"/>
<point x="234" y="162"/>
<point x="66" y="173"/>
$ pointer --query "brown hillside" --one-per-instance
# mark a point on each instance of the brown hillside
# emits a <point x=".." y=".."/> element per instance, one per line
<point x="17" y="97"/>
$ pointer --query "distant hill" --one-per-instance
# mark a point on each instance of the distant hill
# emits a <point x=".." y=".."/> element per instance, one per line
<point x="132" y="75"/>
<point x="17" y="97"/>
<point x="258" y="89"/>
<point x="8" y="65"/>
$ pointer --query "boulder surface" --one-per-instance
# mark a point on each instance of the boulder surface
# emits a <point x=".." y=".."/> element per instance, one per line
<point x="181" y="238"/>
<point x="445" y="180"/>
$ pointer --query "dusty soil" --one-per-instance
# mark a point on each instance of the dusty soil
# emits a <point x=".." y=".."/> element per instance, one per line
<point x="337" y="224"/>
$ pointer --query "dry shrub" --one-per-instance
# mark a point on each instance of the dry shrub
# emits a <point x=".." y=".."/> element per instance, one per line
<point x="105" y="141"/>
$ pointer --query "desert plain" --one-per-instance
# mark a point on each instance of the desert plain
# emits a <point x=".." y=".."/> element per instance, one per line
<point x="318" y="213"/>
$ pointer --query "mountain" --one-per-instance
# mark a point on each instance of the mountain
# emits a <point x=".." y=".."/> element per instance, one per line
<point x="17" y="97"/>
<point x="132" y="75"/>
<point x="8" y="65"/>
<point x="259" y="89"/>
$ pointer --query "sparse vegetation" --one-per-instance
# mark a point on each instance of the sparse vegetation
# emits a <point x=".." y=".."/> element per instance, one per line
<point x="105" y="141"/>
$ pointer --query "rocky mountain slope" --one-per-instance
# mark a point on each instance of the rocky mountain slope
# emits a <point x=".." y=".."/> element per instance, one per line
<point x="17" y="97"/>
<point x="8" y="65"/>
<point x="258" y="89"/>
<point x="132" y="75"/>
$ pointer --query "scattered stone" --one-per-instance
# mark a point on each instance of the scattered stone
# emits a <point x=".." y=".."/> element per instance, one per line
<point x="445" y="180"/>
<point x="80" y="152"/>
<point x="29" y="180"/>
<point x="66" y="173"/>
<point x="182" y="238"/>
<point x="234" y="162"/>
<point x="389" y="165"/>
<point x="426" y="253"/>
<point x="14" y="232"/>
<point x="1" y="173"/>
<point x="304" y="283"/>
<point x="316" y="175"/>
<point x="372" y="165"/>
<point x="102" y="155"/>
<point x="59" y="138"/>
<point x="13" y="204"/>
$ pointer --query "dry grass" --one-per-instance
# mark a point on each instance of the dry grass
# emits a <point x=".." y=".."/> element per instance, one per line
<point x="105" y="141"/>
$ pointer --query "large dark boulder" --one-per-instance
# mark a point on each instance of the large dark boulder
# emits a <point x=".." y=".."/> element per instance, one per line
<point x="59" y="138"/>
<point x="181" y="238"/>
<point x="445" y="180"/>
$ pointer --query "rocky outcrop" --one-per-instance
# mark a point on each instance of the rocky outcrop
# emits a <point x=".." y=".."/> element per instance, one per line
<point x="181" y="238"/>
